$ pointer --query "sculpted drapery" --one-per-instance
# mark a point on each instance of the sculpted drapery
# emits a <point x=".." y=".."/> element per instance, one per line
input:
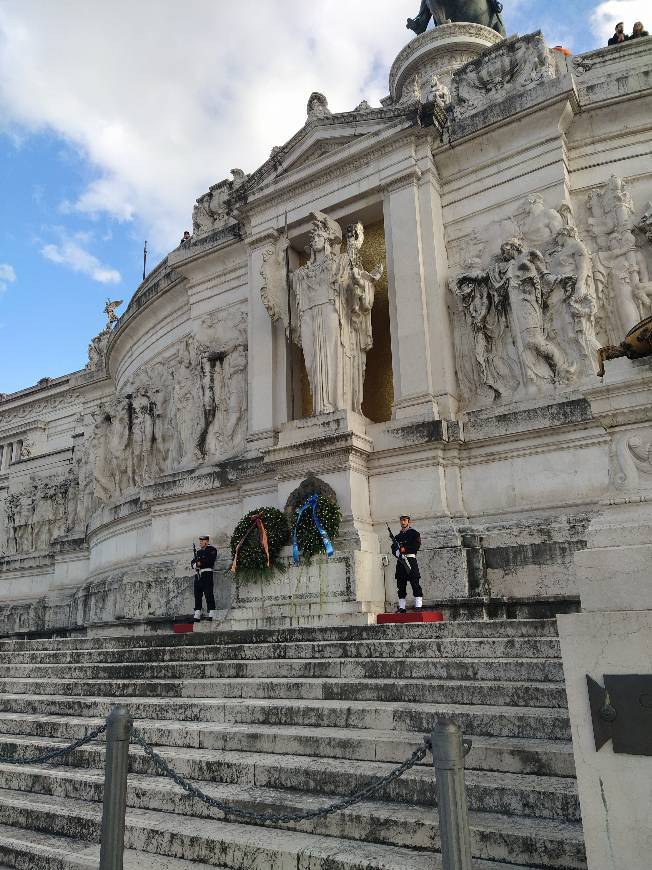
<point x="331" y="296"/>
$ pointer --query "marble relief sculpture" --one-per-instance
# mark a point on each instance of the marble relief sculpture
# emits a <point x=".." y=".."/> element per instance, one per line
<point x="38" y="513"/>
<point x="506" y="304"/>
<point x="539" y="311"/>
<point x="531" y="310"/>
<point x="502" y="74"/>
<point x="327" y="311"/>
<point x="98" y="345"/>
<point x="212" y="210"/>
<point x="621" y="269"/>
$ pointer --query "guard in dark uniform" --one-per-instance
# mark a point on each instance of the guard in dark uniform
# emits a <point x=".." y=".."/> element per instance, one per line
<point x="203" y="563"/>
<point x="408" y="543"/>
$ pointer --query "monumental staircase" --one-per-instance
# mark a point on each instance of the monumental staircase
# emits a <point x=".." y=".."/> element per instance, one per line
<point x="291" y="719"/>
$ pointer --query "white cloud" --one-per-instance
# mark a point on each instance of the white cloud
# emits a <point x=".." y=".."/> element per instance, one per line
<point x="165" y="97"/>
<point x="608" y="14"/>
<point x="7" y="276"/>
<point x="71" y="252"/>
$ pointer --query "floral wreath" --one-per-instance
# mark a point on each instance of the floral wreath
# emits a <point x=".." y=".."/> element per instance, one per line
<point x="316" y="525"/>
<point x="258" y="539"/>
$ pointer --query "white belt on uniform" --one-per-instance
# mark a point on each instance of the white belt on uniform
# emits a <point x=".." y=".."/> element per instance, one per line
<point x="205" y="570"/>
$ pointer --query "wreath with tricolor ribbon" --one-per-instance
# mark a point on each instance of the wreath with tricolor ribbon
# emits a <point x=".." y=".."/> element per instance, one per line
<point x="257" y="539"/>
<point x="316" y="525"/>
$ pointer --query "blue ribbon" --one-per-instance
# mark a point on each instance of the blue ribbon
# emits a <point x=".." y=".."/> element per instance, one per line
<point x="310" y="503"/>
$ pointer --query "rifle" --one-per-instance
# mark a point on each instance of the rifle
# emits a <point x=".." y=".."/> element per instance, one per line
<point x="194" y="553"/>
<point x="400" y="557"/>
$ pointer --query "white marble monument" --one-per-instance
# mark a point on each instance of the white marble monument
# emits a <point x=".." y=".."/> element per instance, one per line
<point x="420" y="334"/>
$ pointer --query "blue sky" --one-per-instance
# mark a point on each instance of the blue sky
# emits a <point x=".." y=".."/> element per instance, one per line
<point x="115" y="117"/>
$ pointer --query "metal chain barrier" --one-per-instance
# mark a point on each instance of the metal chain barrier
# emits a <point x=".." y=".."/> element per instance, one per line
<point x="229" y="810"/>
<point x="57" y="753"/>
<point x="446" y="743"/>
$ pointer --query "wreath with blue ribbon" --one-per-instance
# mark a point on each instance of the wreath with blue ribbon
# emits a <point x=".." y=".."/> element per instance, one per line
<point x="316" y="525"/>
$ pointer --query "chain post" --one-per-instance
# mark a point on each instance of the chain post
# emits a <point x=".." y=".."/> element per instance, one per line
<point x="116" y="766"/>
<point x="448" y="752"/>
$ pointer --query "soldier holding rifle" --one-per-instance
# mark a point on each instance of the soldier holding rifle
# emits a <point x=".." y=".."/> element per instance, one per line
<point x="203" y="562"/>
<point x="405" y="547"/>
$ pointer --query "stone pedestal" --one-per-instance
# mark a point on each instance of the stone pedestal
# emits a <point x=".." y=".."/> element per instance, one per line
<point x="439" y="52"/>
<point x="612" y="635"/>
<point x="349" y="586"/>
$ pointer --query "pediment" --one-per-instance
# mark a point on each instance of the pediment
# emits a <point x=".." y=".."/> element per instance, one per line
<point x="324" y="138"/>
<point x="319" y="149"/>
<point x="328" y="136"/>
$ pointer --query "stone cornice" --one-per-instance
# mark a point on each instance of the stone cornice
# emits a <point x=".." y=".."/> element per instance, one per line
<point x="406" y="178"/>
<point x="334" y="167"/>
<point x="274" y="163"/>
<point x="336" y="451"/>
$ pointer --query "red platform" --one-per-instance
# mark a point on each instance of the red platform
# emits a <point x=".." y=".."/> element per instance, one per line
<point x="411" y="616"/>
<point x="182" y="627"/>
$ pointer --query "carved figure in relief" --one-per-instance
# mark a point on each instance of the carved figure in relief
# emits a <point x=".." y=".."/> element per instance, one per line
<point x="186" y="431"/>
<point x="331" y="298"/>
<point x="223" y="365"/>
<point x="539" y="224"/>
<point x="630" y="468"/>
<point x="509" y="68"/>
<point x="486" y="315"/>
<point x="524" y="319"/>
<point x="99" y="455"/>
<point x="23" y="513"/>
<point x="212" y="210"/>
<point x="120" y="460"/>
<point x="317" y="106"/>
<point x="203" y="217"/>
<point x="43" y="516"/>
<point x="4" y="527"/>
<point x="572" y="308"/>
<point x="486" y="12"/>
<point x="437" y="92"/>
<point x="360" y="286"/>
<point x="10" y="507"/>
<point x="522" y="277"/>
<point x="620" y="269"/>
<point x="645" y="224"/>
<point x="235" y="379"/>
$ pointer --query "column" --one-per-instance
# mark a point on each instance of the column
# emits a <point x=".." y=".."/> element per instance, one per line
<point x="423" y="368"/>
<point x="435" y="263"/>
<point x="267" y="364"/>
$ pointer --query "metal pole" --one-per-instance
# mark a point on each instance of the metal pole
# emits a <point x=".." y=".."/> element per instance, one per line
<point x="448" y="751"/>
<point x="116" y="766"/>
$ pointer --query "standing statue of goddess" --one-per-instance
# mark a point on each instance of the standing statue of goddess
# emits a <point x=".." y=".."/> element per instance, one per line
<point x="331" y="298"/>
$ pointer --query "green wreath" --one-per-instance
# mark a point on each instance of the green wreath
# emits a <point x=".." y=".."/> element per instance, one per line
<point x="246" y="540"/>
<point x="308" y="538"/>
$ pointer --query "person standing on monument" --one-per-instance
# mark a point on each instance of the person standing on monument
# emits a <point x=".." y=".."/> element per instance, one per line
<point x="203" y="562"/>
<point x="407" y="543"/>
<point x="619" y="34"/>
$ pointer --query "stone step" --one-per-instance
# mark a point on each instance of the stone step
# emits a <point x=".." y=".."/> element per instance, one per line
<point x="29" y="850"/>
<point x="492" y="721"/>
<point x="455" y="628"/>
<point x="514" y="794"/>
<point x="507" y="754"/>
<point x="217" y="843"/>
<point x="494" y="836"/>
<point x="424" y="648"/>
<point x="92" y="667"/>
<point x="515" y="694"/>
